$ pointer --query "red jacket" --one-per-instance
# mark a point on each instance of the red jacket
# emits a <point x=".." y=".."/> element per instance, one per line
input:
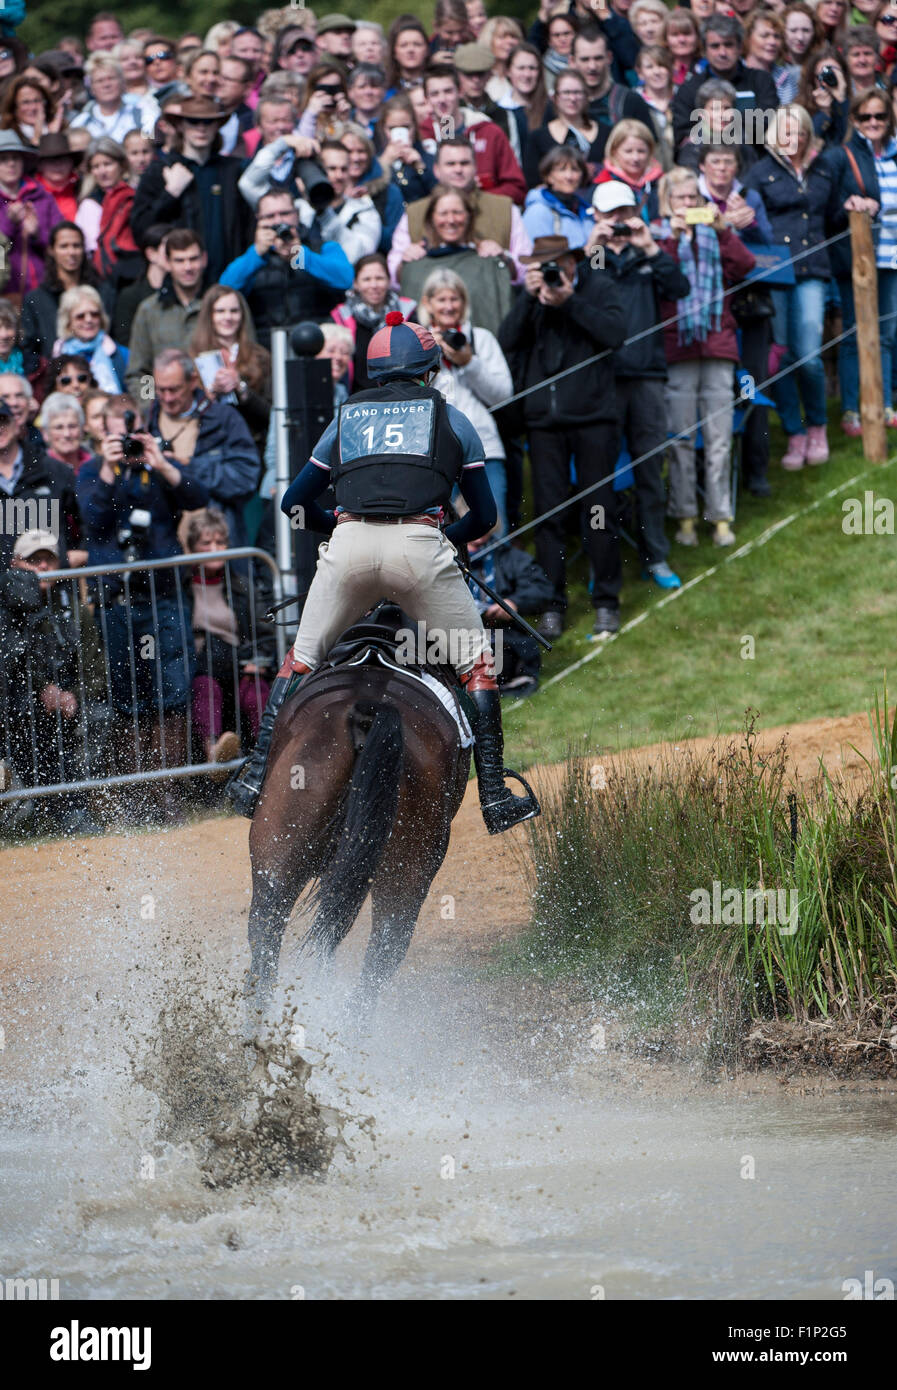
<point x="66" y="199"/>
<point x="497" y="168"/>
<point x="722" y="343"/>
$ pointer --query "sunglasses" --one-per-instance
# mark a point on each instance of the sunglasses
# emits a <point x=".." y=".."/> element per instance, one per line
<point x="871" y="116"/>
<point x="161" y="57"/>
<point x="5" y="54"/>
<point x="81" y="380"/>
<point x="199" y="120"/>
<point x="305" y="44"/>
<point x="888" y="19"/>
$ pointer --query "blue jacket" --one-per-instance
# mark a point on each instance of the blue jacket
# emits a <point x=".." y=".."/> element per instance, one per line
<point x="545" y="215"/>
<point x="225" y="461"/>
<point x="846" y="186"/>
<point x="330" y="265"/>
<point x="387" y="199"/>
<point x="106" y="507"/>
<point x="798" y="211"/>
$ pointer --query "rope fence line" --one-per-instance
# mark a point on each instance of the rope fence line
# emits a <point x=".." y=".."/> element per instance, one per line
<point x="634" y="463"/>
<point x="666" y="323"/>
<point x="601" y="645"/>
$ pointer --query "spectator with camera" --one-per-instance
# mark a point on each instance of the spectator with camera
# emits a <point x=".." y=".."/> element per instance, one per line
<point x="561" y="321"/>
<point x="208" y="439"/>
<point x="132" y="497"/>
<point x="285" y="277"/>
<point x="473" y="374"/>
<point x="645" y="276"/>
<point x="168" y="316"/>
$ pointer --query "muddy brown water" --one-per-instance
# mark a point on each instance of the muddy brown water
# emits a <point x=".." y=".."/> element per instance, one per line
<point x="474" y="1146"/>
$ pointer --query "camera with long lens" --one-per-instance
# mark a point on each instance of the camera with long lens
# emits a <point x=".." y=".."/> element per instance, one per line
<point x="551" y="274"/>
<point x="133" y="537"/>
<point x="318" y="188"/>
<point x="131" y="448"/>
<point x="455" y="339"/>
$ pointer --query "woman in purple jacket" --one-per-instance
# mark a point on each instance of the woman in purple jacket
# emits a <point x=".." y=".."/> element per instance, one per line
<point x="28" y="214"/>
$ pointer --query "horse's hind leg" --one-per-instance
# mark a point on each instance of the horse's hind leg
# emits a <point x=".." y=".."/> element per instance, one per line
<point x="396" y="902"/>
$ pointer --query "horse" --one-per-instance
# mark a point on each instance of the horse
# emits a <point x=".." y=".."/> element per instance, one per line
<point x="365" y="776"/>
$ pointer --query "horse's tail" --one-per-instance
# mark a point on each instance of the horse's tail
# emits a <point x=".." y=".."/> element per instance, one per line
<point x="366" y="821"/>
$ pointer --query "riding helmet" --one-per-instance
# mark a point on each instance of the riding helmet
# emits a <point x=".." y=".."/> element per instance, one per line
<point x="401" y="349"/>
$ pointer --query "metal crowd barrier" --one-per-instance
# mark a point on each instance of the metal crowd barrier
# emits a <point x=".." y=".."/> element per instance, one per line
<point x="78" y="751"/>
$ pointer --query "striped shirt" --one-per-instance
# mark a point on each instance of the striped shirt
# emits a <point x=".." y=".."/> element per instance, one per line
<point x="886" y="173"/>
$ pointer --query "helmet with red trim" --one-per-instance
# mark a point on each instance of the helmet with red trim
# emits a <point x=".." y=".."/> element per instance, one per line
<point x="401" y="349"/>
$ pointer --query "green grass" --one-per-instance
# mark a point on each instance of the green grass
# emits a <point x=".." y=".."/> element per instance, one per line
<point x="818" y="604"/>
<point x="613" y="865"/>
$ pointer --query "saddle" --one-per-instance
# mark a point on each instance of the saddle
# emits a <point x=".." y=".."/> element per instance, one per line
<point x="375" y="641"/>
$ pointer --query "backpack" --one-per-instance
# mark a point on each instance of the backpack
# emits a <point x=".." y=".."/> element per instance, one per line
<point x="116" y="240"/>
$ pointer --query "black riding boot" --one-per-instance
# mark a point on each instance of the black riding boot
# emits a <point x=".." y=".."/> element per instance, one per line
<point x="244" y="787"/>
<point x="500" y="807"/>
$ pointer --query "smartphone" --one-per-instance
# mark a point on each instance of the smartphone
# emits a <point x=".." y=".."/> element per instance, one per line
<point x="400" y="135"/>
<point x="695" y="216"/>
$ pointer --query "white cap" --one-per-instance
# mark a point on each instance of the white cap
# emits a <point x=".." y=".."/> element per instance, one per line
<point x="30" y="542"/>
<point x="611" y="195"/>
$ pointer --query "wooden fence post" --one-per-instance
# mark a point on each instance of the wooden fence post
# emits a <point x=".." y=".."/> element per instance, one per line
<point x="865" y="298"/>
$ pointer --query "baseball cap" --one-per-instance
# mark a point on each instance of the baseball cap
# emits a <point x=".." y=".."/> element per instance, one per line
<point x="611" y="195"/>
<point x="30" y="542"/>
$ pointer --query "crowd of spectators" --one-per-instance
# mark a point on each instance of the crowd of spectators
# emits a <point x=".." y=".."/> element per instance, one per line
<point x="573" y="205"/>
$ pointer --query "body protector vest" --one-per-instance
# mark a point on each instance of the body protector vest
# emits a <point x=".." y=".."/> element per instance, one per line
<point x="396" y="453"/>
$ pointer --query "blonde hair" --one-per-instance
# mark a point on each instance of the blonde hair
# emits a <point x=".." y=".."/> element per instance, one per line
<point x="642" y="6"/>
<point x="628" y="130"/>
<point x="222" y="32"/>
<point x="804" y="121"/>
<point x="338" y="333"/>
<point x="103" y="60"/>
<point x="69" y="303"/>
<point x="442" y="280"/>
<point x="676" y="178"/>
<point x="500" y="26"/>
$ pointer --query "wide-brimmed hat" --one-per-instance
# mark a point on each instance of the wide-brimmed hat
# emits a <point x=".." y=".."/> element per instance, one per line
<point x="65" y="63"/>
<point x="336" y="21"/>
<point x="10" y="143"/>
<point x="549" y="248"/>
<point x="56" y="146"/>
<point x="199" y="109"/>
<point x="473" y="58"/>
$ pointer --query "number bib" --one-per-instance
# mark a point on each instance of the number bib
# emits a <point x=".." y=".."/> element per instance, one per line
<point x="373" y="428"/>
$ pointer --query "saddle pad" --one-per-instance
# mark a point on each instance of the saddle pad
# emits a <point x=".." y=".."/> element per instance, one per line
<point x="446" y="698"/>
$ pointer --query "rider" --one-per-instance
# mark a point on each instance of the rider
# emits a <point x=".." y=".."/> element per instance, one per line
<point x="393" y="455"/>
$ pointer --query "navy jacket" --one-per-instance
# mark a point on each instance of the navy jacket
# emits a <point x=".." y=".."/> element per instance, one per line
<point x="846" y="186"/>
<point x="798" y="211"/>
<point x="106" y="507"/>
<point x="643" y="281"/>
<point x="225" y="461"/>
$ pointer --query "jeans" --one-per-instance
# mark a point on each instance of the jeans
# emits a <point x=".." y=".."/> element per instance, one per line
<point x="848" y="351"/>
<point x="150" y="667"/>
<point x="498" y="481"/>
<point x="798" y="322"/>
